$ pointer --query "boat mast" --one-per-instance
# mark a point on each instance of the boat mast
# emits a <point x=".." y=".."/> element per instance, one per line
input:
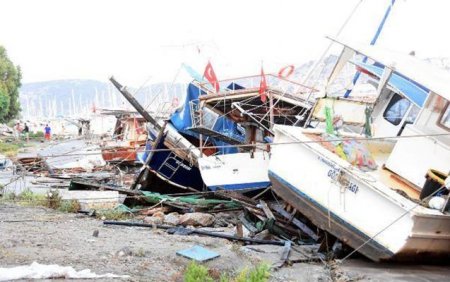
<point x="123" y="90"/>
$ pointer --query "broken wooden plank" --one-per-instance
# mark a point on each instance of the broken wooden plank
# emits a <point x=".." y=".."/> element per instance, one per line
<point x="327" y="243"/>
<point x="303" y="227"/>
<point x="284" y="255"/>
<point x="266" y="210"/>
<point x="99" y="186"/>
<point x="198" y="232"/>
<point x="249" y="225"/>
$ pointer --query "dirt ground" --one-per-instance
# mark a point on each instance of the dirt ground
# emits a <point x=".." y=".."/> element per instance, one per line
<point x="46" y="236"/>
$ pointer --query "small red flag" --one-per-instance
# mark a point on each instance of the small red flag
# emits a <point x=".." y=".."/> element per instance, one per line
<point x="263" y="87"/>
<point x="211" y="76"/>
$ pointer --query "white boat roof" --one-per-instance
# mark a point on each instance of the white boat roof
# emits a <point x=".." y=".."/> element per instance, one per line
<point x="421" y="72"/>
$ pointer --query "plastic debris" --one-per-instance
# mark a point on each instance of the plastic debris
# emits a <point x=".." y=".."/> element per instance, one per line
<point x="52" y="271"/>
<point x="198" y="253"/>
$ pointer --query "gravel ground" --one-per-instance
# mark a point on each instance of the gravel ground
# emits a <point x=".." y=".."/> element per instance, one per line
<point x="46" y="236"/>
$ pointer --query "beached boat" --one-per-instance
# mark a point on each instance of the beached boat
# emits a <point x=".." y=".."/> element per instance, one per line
<point x="368" y="193"/>
<point x="128" y="140"/>
<point x="175" y="162"/>
<point x="245" y="168"/>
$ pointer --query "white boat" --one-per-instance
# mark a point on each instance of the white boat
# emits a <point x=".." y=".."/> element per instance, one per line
<point x="240" y="171"/>
<point x="377" y="212"/>
<point x="245" y="168"/>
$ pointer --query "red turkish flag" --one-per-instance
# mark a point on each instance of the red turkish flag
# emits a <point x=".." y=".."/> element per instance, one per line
<point x="211" y="76"/>
<point x="263" y="87"/>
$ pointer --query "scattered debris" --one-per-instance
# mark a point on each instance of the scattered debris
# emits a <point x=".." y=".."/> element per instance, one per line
<point x="198" y="253"/>
<point x="188" y="231"/>
<point x="196" y="219"/>
<point x="93" y="200"/>
<point x="52" y="271"/>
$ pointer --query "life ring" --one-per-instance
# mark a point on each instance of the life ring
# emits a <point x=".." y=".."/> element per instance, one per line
<point x="286" y="71"/>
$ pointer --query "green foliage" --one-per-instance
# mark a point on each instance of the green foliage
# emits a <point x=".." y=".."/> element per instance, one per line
<point x="69" y="206"/>
<point x="260" y="273"/>
<point x="112" y="214"/>
<point x="10" y="77"/>
<point x="197" y="273"/>
<point x="38" y="134"/>
<point x="7" y="196"/>
<point x="51" y="200"/>
<point x="28" y="198"/>
<point x="8" y="149"/>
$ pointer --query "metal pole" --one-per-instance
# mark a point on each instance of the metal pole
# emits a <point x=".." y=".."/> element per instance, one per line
<point x="123" y="90"/>
<point x="144" y="168"/>
<point x="196" y="231"/>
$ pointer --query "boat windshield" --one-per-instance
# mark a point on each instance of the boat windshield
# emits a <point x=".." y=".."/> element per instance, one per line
<point x="396" y="110"/>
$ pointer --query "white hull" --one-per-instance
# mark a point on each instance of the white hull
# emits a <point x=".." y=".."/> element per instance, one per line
<point x="353" y="205"/>
<point x="238" y="171"/>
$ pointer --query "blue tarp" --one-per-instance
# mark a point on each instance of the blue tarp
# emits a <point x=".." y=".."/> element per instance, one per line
<point x="182" y="121"/>
<point x="413" y="91"/>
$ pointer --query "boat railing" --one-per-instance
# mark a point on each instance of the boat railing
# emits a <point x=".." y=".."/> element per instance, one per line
<point x="284" y="85"/>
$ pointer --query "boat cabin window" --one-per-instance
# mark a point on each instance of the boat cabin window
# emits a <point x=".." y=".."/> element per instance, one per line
<point x="396" y="110"/>
<point x="444" y="121"/>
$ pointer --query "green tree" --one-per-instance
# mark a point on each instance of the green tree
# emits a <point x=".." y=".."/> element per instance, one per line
<point x="10" y="76"/>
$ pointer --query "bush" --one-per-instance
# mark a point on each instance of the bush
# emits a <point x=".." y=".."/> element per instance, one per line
<point x="7" y="197"/>
<point x="199" y="273"/>
<point x="53" y="199"/>
<point x="9" y="149"/>
<point x="260" y="273"/>
<point x="69" y="206"/>
<point x="112" y="214"/>
<point x="28" y="198"/>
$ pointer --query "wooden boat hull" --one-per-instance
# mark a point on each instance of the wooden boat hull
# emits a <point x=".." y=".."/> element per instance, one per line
<point x="124" y="155"/>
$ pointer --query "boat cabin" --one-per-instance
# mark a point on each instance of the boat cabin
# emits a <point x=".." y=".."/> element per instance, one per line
<point x="412" y="109"/>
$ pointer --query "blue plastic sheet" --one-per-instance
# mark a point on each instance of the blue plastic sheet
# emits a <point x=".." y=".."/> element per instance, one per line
<point x="182" y="121"/>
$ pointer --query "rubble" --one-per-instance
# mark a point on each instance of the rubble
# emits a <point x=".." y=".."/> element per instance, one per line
<point x="172" y="218"/>
<point x="93" y="200"/>
<point x="196" y="219"/>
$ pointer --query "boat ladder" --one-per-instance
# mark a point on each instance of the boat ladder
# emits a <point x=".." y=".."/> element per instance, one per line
<point x="170" y="166"/>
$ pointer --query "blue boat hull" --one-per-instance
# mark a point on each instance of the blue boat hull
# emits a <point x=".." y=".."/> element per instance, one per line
<point x="173" y="169"/>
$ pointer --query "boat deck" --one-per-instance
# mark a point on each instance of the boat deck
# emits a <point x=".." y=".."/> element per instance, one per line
<point x="389" y="178"/>
<point x="380" y="151"/>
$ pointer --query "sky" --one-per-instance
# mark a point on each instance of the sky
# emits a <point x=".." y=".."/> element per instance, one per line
<point x="147" y="41"/>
